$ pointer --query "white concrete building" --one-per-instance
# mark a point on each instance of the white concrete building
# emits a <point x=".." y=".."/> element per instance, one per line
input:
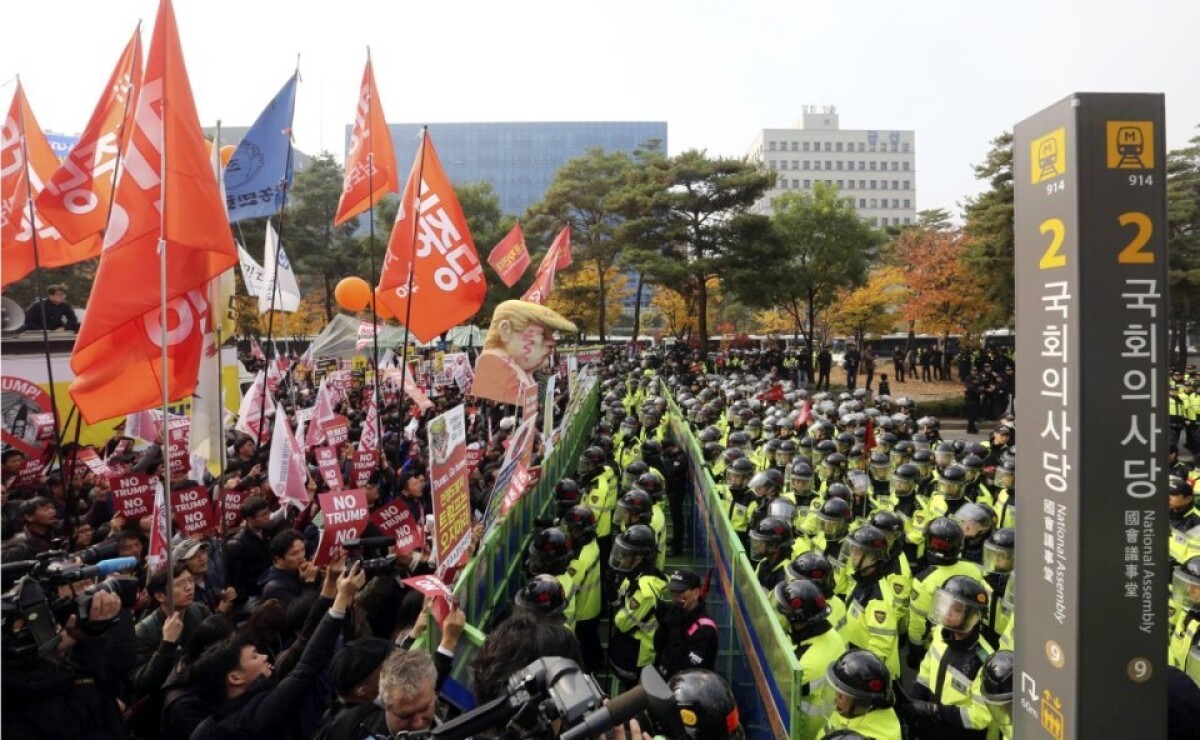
<point x="874" y="168"/>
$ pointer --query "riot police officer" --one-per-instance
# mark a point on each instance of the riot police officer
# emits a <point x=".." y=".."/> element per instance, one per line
<point x="996" y="690"/>
<point x="770" y="546"/>
<point x="870" y="607"/>
<point x="584" y="570"/>
<point x="863" y="700"/>
<point x="638" y="595"/>
<point x="943" y="548"/>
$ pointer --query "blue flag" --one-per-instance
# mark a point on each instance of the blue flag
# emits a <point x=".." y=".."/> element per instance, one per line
<point x="261" y="168"/>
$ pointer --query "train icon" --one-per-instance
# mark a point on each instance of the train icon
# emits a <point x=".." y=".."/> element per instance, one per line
<point x="1130" y="145"/>
<point x="1048" y="159"/>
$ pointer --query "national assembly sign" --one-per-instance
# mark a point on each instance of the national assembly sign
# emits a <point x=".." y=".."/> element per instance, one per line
<point x="451" y="497"/>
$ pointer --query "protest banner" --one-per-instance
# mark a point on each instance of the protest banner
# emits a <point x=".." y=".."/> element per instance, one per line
<point x="90" y="458"/>
<point x="193" y="510"/>
<point x="396" y="520"/>
<point x="516" y="457"/>
<point x="133" y="495"/>
<point x="337" y="430"/>
<point x="231" y="507"/>
<point x="451" y="496"/>
<point x="30" y="473"/>
<point x="344" y="515"/>
<point x="327" y="463"/>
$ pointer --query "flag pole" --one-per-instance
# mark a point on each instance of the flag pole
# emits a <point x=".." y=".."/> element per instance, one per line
<point x="274" y="286"/>
<point x="371" y="252"/>
<point x="412" y="261"/>
<point x="164" y="373"/>
<point x="37" y="263"/>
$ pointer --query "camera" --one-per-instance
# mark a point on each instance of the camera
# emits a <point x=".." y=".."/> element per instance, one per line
<point x="33" y="605"/>
<point x="374" y="566"/>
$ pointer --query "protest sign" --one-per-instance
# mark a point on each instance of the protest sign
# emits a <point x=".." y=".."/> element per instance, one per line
<point x="178" y="455"/>
<point x="327" y="463"/>
<point x="362" y="465"/>
<point x="432" y="587"/>
<point x="344" y="515"/>
<point x="133" y="495"/>
<point x="337" y="430"/>
<point x="451" y="496"/>
<point x="193" y="510"/>
<point x="231" y="507"/>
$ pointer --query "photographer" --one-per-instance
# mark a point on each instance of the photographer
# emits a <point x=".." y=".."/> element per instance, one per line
<point x="67" y="694"/>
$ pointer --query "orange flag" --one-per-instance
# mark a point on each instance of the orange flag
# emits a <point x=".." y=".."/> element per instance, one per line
<point x="77" y="197"/>
<point x="21" y="221"/>
<point x="509" y="257"/>
<point x="167" y="194"/>
<point x="447" y="280"/>
<point x="371" y="165"/>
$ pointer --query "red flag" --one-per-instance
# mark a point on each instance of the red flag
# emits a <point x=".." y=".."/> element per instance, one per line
<point x="371" y="165"/>
<point x="805" y="415"/>
<point x="774" y="393"/>
<point x="447" y="279"/>
<point x="542" y="284"/>
<point x="19" y="180"/>
<point x="509" y="258"/>
<point x="870" y="440"/>
<point x="77" y="197"/>
<point x="561" y="248"/>
<point x="167" y="195"/>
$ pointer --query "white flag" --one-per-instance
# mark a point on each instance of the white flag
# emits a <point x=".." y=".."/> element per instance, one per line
<point x="315" y="435"/>
<point x="285" y="468"/>
<point x="157" y="557"/>
<point x="252" y="273"/>
<point x="207" y="405"/>
<point x="283" y="281"/>
<point x="250" y="419"/>
<point x="369" y="440"/>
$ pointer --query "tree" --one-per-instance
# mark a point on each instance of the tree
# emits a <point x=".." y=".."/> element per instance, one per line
<point x="1183" y="242"/>
<point x="945" y="295"/>
<point x="586" y="194"/>
<point x="693" y="222"/>
<point x="990" y="228"/>
<point x="574" y="296"/>
<point x="825" y="247"/>
<point x="322" y="252"/>
<point x="871" y="308"/>
<point x="678" y="311"/>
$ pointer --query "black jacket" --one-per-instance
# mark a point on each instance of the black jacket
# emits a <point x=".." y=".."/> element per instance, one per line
<point x="58" y="316"/>
<point x="249" y="557"/>
<point x="685" y="640"/>
<point x="266" y="708"/>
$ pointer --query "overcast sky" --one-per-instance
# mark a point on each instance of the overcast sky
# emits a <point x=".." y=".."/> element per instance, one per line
<point x="958" y="72"/>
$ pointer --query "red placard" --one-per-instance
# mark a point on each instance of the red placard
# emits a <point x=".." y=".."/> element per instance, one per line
<point x="395" y="520"/>
<point x="327" y="463"/>
<point x="344" y="514"/>
<point x="231" y="507"/>
<point x="432" y="587"/>
<point x="133" y="495"/>
<point x="362" y="464"/>
<point x="178" y="435"/>
<point x="29" y="474"/>
<point x="43" y="425"/>
<point x="337" y="430"/>
<point x="193" y="510"/>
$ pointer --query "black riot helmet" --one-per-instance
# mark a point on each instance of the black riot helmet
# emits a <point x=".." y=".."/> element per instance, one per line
<point x="633" y="549"/>
<point x="959" y="605"/>
<point x="633" y="471"/>
<point x="634" y="502"/>
<point x="543" y="595"/>
<point x="566" y="495"/>
<point x="834" y="518"/>
<point x="997" y="683"/>
<point x="904" y="480"/>
<point x="865" y="550"/>
<point x="769" y="536"/>
<point x="814" y="566"/>
<point x="801" y="476"/>
<point x="833" y="467"/>
<point x="549" y="551"/>
<point x="923" y="459"/>
<point x="590" y="461"/>
<point x="738" y="474"/>
<point x="580" y="522"/>
<point x="651" y="484"/>
<point x="801" y="603"/>
<point x="952" y="481"/>
<point x="707" y="709"/>
<point x="891" y="524"/>
<point x="943" y="541"/>
<point x="862" y="676"/>
<point x="999" y="551"/>
<point x="652" y="449"/>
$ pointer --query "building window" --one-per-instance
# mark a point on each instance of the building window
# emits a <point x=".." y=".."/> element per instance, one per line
<point x="862" y="184"/>
<point x="862" y="146"/>
<point x="796" y="184"/>
<point x="829" y="164"/>
<point x="883" y="184"/>
<point x="874" y="184"/>
<point x="828" y="147"/>
<point x="905" y="168"/>
<point x="895" y="166"/>
<point x="838" y="147"/>
<point x="849" y="184"/>
<point x="829" y="183"/>
<point x="907" y="220"/>
<point x="840" y="184"/>
<point x="871" y="148"/>
<point x="793" y="146"/>
<point x="782" y="182"/>
<point x="874" y="202"/>
<point x="873" y="165"/>
<point x="807" y="165"/>
<point x="895" y="202"/>
<point x="862" y="202"/>
<point x="907" y="204"/>
<point x="874" y="221"/>
<point x="904" y="148"/>
<point x="771" y="146"/>
<point x="906" y="184"/>
<point x="839" y="164"/>
<point x="817" y="165"/>
<point x="895" y="146"/>
<point x="895" y="184"/>
<point x="808" y="183"/>
<point x="771" y="164"/>
<point x="804" y="146"/>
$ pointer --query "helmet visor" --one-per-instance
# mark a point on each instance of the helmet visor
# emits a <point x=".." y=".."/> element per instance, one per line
<point x="585" y="466"/>
<point x="997" y="559"/>
<point x="1004" y="478"/>
<point x="902" y="487"/>
<point x="761" y="485"/>
<point x="623" y="558"/>
<point x="736" y="478"/>
<point x="921" y="444"/>
<point x="880" y="471"/>
<point x="954" y="613"/>
<point x="951" y="489"/>
<point x="801" y="484"/>
<point x="855" y="557"/>
<point x="859" y="482"/>
<point x="783" y="458"/>
<point x="925" y="468"/>
<point x="622" y="515"/>
<point x="1185" y="589"/>
<point x="832" y="528"/>
<point x="897" y="458"/>
<point x="760" y="546"/>
<point x="942" y="458"/>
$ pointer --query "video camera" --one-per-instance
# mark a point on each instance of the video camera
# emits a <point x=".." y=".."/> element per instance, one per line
<point x="379" y="563"/>
<point x="33" y="606"/>
<point x="553" y="691"/>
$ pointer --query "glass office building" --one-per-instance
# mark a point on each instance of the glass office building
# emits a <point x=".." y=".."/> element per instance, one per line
<point x="519" y="159"/>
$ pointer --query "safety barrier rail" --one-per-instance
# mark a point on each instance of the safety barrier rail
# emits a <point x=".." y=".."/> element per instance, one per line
<point x="757" y="657"/>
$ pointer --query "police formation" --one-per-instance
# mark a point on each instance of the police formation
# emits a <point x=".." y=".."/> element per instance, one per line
<point x="886" y="549"/>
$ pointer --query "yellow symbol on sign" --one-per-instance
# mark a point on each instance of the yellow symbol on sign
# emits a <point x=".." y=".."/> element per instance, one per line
<point x="1052" y="718"/>
<point x="1130" y="145"/>
<point x="1049" y="155"/>
<point x="1054" y="653"/>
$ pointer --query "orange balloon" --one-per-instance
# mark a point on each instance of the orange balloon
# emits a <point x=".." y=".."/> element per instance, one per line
<point x="382" y="310"/>
<point x="353" y="294"/>
<point x="227" y="154"/>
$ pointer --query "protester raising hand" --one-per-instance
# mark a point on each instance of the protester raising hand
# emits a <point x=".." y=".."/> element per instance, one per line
<point x="349" y="583"/>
